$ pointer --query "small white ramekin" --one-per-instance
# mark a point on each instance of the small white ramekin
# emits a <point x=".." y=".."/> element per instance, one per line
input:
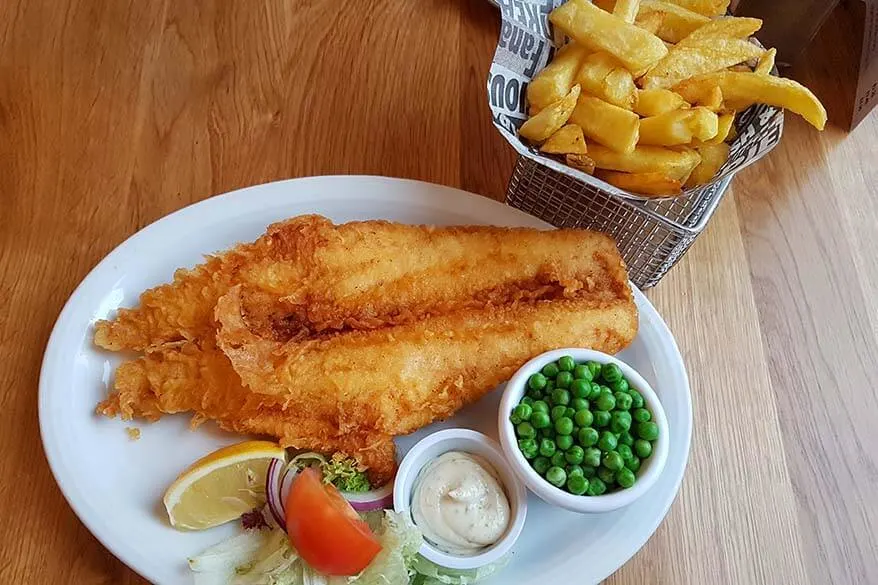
<point x="646" y="476"/>
<point x="475" y="443"/>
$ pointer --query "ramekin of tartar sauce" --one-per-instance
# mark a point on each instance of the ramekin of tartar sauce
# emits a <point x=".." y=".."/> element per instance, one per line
<point x="467" y="501"/>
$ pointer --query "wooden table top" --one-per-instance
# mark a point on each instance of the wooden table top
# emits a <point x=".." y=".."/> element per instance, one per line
<point x="114" y="113"/>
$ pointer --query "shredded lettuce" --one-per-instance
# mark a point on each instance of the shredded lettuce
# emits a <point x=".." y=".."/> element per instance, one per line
<point x="265" y="557"/>
<point x="340" y="470"/>
<point x="429" y="573"/>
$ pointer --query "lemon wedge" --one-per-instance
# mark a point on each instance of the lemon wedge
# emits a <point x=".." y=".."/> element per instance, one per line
<point x="222" y="486"/>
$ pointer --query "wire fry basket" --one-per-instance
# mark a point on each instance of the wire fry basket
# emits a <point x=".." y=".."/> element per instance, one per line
<point x="652" y="235"/>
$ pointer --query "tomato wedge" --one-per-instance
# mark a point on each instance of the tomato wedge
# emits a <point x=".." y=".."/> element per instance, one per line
<point x="325" y="530"/>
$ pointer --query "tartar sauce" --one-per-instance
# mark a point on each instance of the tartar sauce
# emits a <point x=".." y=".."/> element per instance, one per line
<point x="459" y="503"/>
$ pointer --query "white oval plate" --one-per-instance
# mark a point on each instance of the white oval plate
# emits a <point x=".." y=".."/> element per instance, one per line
<point x="115" y="485"/>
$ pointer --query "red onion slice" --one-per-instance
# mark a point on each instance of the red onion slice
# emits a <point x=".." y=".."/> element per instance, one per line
<point x="278" y="481"/>
<point x="376" y="499"/>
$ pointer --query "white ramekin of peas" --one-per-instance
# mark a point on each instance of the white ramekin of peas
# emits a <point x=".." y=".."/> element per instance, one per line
<point x="583" y="430"/>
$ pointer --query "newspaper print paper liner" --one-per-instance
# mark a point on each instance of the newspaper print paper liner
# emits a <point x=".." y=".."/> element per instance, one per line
<point x="527" y="43"/>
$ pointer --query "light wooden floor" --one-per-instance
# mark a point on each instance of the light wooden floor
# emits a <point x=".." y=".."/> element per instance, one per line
<point x="115" y="113"/>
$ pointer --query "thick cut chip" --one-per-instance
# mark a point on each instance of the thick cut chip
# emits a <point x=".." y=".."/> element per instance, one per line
<point x="603" y="76"/>
<point x="679" y="127"/>
<point x="550" y="120"/>
<point x="636" y="48"/>
<point x="650" y="21"/>
<point x="626" y="9"/>
<point x="654" y="102"/>
<point x="677" y="22"/>
<point x="567" y="140"/>
<point x="610" y="125"/>
<point x="676" y="163"/>
<point x="705" y="7"/>
<point x="650" y="184"/>
<point x="766" y="62"/>
<point x="683" y="62"/>
<point x="555" y="80"/>
<point x="729" y="27"/>
<point x="582" y="162"/>
<point x="742" y="90"/>
<point x="713" y="157"/>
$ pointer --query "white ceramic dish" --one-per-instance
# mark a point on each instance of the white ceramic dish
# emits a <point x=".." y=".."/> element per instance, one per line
<point x="646" y="477"/>
<point x="474" y="443"/>
<point x="115" y="485"/>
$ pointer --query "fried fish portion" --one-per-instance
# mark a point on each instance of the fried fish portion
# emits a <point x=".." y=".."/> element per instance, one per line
<point x="395" y="380"/>
<point x="306" y="275"/>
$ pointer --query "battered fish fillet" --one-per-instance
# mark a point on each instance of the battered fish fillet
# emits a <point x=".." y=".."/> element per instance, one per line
<point x="394" y="381"/>
<point x="306" y="275"/>
<point x="201" y="381"/>
<point x="346" y="336"/>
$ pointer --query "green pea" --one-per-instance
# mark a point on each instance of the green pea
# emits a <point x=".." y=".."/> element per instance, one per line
<point x="563" y="380"/>
<point x="550" y="370"/>
<point x="648" y="431"/>
<point x="596" y="487"/>
<point x="558" y="459"/>
<point x="625" y="451"/>
<point x="541" y="464"/>
<point x="580" y="388"/>
<point x="528" y="448"/>
<point x="625" y="478"/>
<point x="556" y="476"/>
<point x="613" y="461"/>
<point x="620" y="385"/>
<point x="608" y="441"/>
<point x="588" y="471"/>
<point x="594" y="367"/>
<point x="537" y="381"/>
<point x="558" y="412"/>
<point x="581" y="372"/>
<point x="535" y="394"/>
<point x="514" y="418"/>
<point x="583" y="418"/>
<point x="601" y="418"/>
<point x="588" y="437"/>
<point x="577" y="485"/>
<point x="540" y="406"/>
<point x="611" y="373"/>
<point x="528" y="400"/>
<point x="620" y="421"/>
<point x="574" y="470"/>
<point x="540" y="420"/>
<point x="636" y="398"/>
<point x="606" y="401"/>
<point x="550" y="385"/>
<point x="560" y="396"/>
<point x="547" y="447"/>
<point x="579" y="404"/>
<point x="566" y="364"/>
<point x="564" y="442"/>
<point x="546" y="432"/>
<point x="523" y="411"/>
<point x="563" y="426"/>
<point x="633" y="464"/>
<point x="607" y="476"/>
<point x="642" y="415"/>
<point x="526" y="430"/>
<point x="623" y="400"/>
<point x="595" y="391"/>
<point x="592" y="457"/>
<point x="642" y="448"/>
<point x="626" y="438"/>
<point x="574" y="455"/>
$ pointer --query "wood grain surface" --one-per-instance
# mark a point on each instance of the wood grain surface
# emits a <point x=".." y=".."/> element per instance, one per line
<point x="115" y="113"/>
